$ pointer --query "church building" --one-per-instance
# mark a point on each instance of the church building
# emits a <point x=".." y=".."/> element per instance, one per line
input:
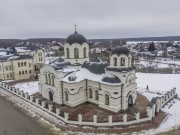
<point x="76" y="78"/>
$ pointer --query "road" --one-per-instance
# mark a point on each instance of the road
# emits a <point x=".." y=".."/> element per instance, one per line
<point x="14" y="122"/>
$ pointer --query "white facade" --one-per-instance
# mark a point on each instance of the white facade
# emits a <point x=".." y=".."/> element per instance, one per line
<point x="16" y="69"/>
<point x="114" y="90"/>
<point x="70" y="53"/>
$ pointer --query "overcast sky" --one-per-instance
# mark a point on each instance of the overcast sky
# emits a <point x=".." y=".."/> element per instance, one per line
<point x="95" y="18"/>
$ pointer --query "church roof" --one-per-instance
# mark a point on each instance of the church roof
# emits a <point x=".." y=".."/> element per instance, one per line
<point x="14" y="57"/>
<point x="120" y="50"/>
<point x="111" y="79"/>
<point x="83" y="74"/>
<point x="127" y="69"/>
<point x="59" y="64"/>
<point x="75" y="38"/>
<point x="95" y="67"/>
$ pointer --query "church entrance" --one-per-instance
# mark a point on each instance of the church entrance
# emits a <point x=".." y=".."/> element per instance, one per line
<point x="50" y="96"/>
<point x="130" y="101"/>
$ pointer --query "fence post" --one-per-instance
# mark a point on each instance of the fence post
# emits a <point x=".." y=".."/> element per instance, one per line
<point x="95" y="119"/>
<point x="110" y="120"/>
<point x="50" y="107"/>
<point x="124" y="119"/>
<point x="43" y="104"/>
<point x="57" y="112"/>
<point x="66" y="116"/>
<point x="137" y="117"/>
<point x="80" y="119"/>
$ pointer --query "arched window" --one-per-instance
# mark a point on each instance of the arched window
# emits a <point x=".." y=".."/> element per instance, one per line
<point x="50" y="96"/>
<point x="115" y="61"/>
<point x="18" y="64"/>
<point x="67" y="51"/>
<point x="76" y="53"/>
<point x="46" y="77"/>
<point x="49" y="79"/>
<point x="52" y="79"/>
<point x="96" y="95"/>
<point x="84" y="52"/>
<point x="130" y="100"/>
<point x="129" y="61"/>
<point x="122" y="61"/>
<point x="90" y="93"/>
<point x="21" y="64"/>
<point x="24" y="63"/>
<point x="66" y="96"/>
<point x="106" y="99"/>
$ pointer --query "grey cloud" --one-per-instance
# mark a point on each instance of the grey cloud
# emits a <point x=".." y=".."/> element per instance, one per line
<point x="95" y="18"/>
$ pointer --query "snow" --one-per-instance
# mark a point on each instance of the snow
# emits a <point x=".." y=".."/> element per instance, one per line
<point x="158" y="82"/>
<point x="30" y="87"/>
<point x="161" y="83"/>
<point x="22" y="49"/>
<point x="48" y="60"/>
<point x="83" y="74"/>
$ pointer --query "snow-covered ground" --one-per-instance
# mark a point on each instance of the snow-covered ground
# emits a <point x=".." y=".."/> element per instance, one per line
<point x="30" y="87"/>
<point x="162" y="83"/>
<point x="158" y="82"/>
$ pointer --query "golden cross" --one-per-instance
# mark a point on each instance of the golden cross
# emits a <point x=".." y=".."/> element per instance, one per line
<point x="75" y="25"/>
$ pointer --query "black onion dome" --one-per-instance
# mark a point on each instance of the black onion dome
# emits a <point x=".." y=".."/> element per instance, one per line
<point x="75" y="38"/>
<point x="111" y="79"/>
<point x="121" y="50"/>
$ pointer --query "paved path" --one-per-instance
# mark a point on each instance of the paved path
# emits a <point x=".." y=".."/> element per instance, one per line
<point x="14" y="122"/>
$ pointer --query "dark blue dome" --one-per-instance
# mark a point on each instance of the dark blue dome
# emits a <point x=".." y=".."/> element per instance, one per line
<point x="120" y="50"/>
<point x="75" y="38"/>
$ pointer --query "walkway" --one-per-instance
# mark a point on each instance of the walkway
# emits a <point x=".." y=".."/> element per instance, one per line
<point x="14" y="122"/>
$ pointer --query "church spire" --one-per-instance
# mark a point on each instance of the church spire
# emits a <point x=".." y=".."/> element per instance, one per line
<point x="75" y="26"/>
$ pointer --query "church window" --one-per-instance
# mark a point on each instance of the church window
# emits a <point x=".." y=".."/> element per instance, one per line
<point x="49" y="79"/>
<point x="115" y="61"/>
<point x="50" y="96"/>
<point x="10" y="68"/>
<point x="24" y="63"/>
<point x="21" y="64"/>
<point x="122" y="61"/>
<point x="90" y="93"/>
<point x="19" y="72"/>
<point x="52" y="79"/>
<point x="66" y="95"/>
<point x="67" y="51"/>
<point x="106" y="99"/>
<point x="96" y="95"/>
<point x="18" y="64"/>
<point x="129" y="61"/>
<point x="23" y="72"/>
<point x="84" y="51"/>
<point x="76" y="53"/>
<point x="46" y="78"/>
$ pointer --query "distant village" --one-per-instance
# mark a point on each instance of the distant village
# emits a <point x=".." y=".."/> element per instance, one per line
<point x="149" y="56"/>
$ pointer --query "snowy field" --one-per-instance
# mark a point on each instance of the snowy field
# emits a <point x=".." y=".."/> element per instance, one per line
<point x="162" y="83"/>
<point x="30" y="87"/>
<point x="158" y="82"/>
